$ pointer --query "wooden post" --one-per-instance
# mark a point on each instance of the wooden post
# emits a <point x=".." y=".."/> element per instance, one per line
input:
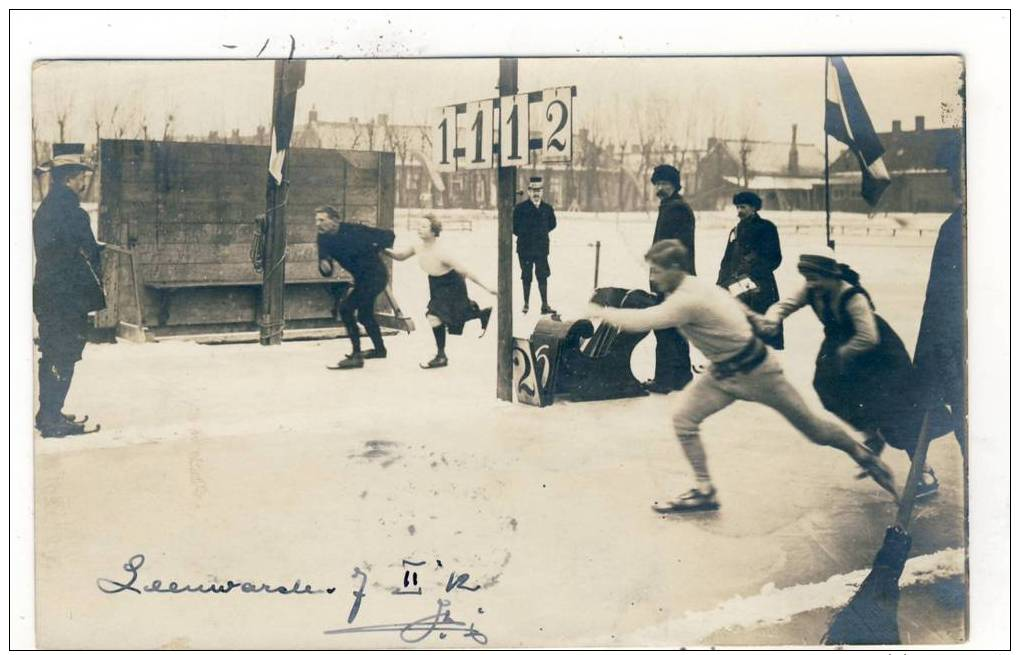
<point x="288" y="77"/>
<point x="829" y="242"/>
<point x="271" y="325"/>
<point x="506" y="197"/>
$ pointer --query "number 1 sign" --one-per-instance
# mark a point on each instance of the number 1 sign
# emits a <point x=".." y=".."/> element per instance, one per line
<point x="478" y="137"/>
<point x="557" y="124"/>
<point x="444" y="139"/>
<point x="513" y="130"/>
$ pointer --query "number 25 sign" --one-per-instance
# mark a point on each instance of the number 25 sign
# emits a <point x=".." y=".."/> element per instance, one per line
<point x="497" y="131"/>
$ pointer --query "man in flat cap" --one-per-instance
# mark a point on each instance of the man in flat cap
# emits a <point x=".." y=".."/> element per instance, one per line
<point x="67" y="284"/>
<point x="752" y="254"/>
<point x="675" y="221"/>
<point x="533" y="221"/>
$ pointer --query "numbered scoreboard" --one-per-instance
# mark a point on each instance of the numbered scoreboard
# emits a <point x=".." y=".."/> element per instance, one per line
<point x="497" y="132"/>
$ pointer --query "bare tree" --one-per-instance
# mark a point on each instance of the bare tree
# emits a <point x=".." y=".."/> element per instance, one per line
<point x="168" y="122"/>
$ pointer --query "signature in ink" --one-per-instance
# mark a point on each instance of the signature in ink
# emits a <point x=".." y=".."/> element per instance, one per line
<point x="440" y="622"/>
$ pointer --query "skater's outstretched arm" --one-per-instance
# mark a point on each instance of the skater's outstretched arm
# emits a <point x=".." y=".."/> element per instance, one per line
<point x="399" y="254"/>
<point x="659" y="317"/>
<point x="465" y="272"/>
<point x="779" y="311"/>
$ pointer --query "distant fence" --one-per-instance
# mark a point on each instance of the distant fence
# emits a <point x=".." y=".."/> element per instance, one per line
<point x="861" y="230"/>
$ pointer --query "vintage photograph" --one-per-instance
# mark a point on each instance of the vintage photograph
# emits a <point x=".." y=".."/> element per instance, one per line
<point x="499" y="352"/>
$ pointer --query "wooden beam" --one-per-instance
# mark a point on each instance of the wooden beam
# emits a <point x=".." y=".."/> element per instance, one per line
<point x="506" y="196"/>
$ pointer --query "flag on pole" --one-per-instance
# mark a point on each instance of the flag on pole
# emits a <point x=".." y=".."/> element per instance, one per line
<point x="846" y="120"/>
<point x="284" y="100"/>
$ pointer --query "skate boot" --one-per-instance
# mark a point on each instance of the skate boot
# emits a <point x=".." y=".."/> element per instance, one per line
<point x="483" y="317"/>
<point x="354" y="360"/>
<point x="58" y="428"/>
<point x="928" y="485"/>
<point x="438" y="361"/>
<point x="694" y="500"/>
<point x="374" y="353"/>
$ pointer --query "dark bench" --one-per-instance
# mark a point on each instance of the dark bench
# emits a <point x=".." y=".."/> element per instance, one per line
<point x="165" y="290"/>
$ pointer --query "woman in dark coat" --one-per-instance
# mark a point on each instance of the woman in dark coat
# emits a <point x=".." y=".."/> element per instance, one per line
<point x="863" y="373"/>
<point x="752" y="254"/>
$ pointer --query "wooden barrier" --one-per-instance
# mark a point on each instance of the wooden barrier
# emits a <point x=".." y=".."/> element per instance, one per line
<point x="187" y="212"/>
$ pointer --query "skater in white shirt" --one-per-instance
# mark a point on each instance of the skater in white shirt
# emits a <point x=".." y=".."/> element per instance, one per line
<point x="449" y="305"/>
<point x="742" y="368"/>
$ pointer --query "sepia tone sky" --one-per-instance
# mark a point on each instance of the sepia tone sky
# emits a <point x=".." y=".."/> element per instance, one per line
<point x="691" y="98"/>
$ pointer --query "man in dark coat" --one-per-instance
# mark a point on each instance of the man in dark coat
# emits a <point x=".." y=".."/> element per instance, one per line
<point x="752" y="254"/>
<point x="940" y="355"/>
<point x="675" y="221"/>
<point x="356" y="248"/>
<point x="533" y="221"/>
<point x="67" y="284"/>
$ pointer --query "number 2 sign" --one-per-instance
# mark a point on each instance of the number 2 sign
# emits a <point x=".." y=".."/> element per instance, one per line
<point x="557" y="124"/>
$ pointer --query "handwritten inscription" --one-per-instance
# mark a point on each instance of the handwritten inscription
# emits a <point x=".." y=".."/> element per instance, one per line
<point x="134" y="565"/>
<point x="440" y="623"/>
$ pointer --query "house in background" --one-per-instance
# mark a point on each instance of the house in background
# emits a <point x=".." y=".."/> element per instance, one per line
<point x="783" y="174"/>
<point x="916" y="161"/>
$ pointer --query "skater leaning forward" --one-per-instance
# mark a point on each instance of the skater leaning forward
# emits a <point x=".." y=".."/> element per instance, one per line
<point x="67" y="285"/>
<point x="356" y="248"/>
<point x="863" y="372"/>
<point x="742" y="368"/>
<point x="449" y="305"/>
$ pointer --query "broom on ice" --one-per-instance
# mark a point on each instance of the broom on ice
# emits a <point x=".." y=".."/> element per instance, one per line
<point x="870" y="618"/>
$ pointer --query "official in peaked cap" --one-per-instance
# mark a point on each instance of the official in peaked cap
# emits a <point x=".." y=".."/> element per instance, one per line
<point x="533" y="220"/>
<point x="67" y="285"/>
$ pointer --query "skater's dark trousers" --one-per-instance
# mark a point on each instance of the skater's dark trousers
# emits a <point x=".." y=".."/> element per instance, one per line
<point x="359" y="307"/>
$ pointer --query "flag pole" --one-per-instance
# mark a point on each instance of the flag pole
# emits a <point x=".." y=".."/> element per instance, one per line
<point x="825" y="135"/>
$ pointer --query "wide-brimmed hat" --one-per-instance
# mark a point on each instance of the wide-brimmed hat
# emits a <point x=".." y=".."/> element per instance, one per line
<point x="534" y="182"/>
<point x="820" y="265"/>
<point x="66" y="155"/>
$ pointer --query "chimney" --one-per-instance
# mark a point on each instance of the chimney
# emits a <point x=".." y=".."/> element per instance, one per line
<point x="793" y="165"/>
<point x="383" y="119"/>
<point x="919" y="123"/>
<point x="260" y="134"/>
<point x="313" y="115"/>
<point x="897" y="126"/>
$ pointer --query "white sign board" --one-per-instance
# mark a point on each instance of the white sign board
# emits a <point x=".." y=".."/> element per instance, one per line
<point x="513" y="130"/>
<point x="557" y="125"/>
<point x="444" y="139"/>
<point x="477" y="132"/>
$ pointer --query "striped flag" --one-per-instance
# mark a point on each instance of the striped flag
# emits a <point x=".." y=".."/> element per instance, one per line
<point x="846" y="120"/>
<point x="290" y="76"/>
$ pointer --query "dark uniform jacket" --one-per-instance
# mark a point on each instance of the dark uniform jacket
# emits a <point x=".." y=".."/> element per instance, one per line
<point x="753" y="251"/>
<point x="68" y="270"/>
<point x="676" y="221"/>
<point x="532" y="226"/>
<point x="356" y="247"/>
<point x="939" y="355"/>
